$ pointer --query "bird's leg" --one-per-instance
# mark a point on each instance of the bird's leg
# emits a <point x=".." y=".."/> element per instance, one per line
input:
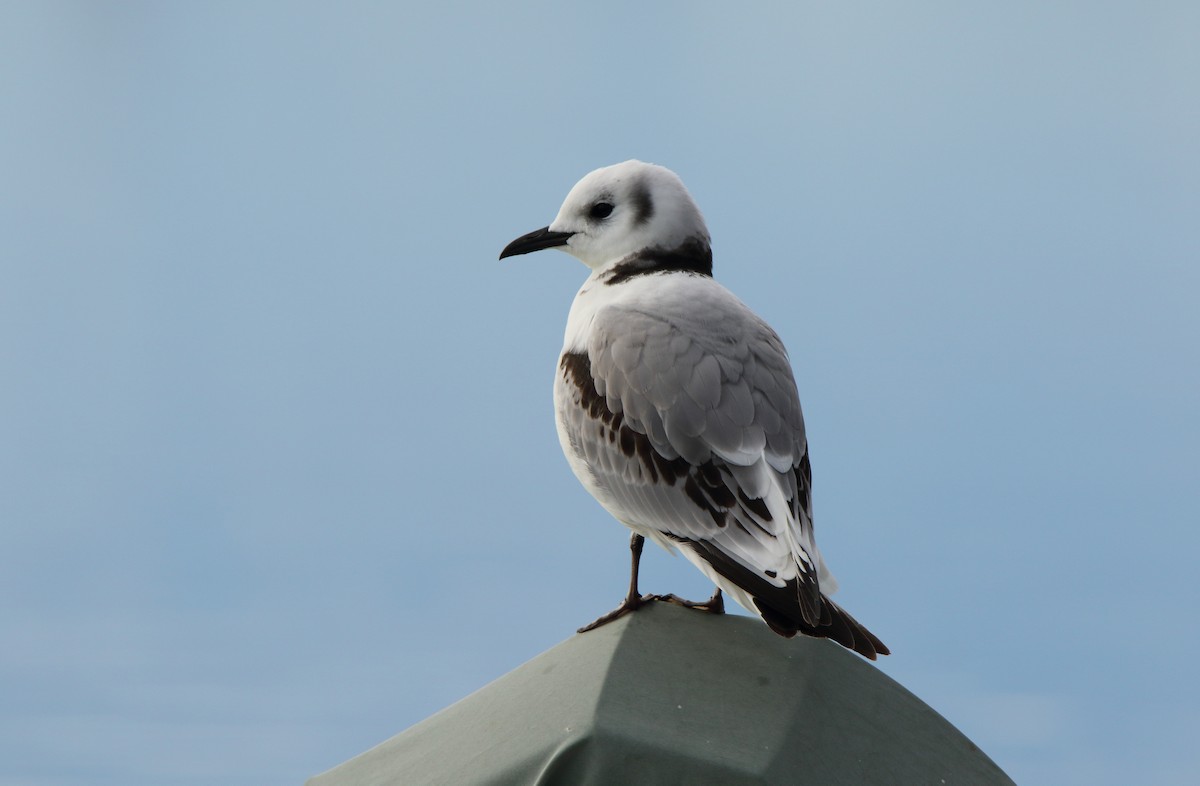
<point x="632" y="600"/>
<point x="714" y="605"/>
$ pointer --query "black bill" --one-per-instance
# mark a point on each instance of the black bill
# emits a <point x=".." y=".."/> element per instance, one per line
<point x="535" y="241"/>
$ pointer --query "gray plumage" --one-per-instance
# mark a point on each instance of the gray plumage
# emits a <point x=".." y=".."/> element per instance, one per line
<point x="703" y="380"/>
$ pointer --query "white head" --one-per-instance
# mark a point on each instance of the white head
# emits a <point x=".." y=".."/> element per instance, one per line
<point x="618" y="211"/>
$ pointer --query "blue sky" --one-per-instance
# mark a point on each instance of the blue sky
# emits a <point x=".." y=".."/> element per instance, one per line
<point x="280" y="475"/>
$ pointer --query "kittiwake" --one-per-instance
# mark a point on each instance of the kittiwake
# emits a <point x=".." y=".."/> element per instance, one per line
<point x="677" y="408"/>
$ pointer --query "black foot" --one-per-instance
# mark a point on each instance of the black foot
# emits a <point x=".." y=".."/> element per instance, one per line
<point x="631" y="603"/>
<point x="714" y="605"/>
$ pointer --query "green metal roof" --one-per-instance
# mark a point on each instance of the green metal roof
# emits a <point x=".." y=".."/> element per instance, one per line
<point x="673" y="696"/>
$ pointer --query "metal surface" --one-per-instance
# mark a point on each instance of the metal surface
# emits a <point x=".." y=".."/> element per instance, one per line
<point x="672" y="696"/>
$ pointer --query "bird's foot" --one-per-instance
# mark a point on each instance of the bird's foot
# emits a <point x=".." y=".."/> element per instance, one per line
<point x="631" y="603"/>
<point x="714" y="605"/>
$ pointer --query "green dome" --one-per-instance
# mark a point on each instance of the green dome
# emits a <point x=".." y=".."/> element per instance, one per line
<point x="673" y="696"/>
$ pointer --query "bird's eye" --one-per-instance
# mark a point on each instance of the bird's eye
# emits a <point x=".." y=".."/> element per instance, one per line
<point x="601" y="210"/>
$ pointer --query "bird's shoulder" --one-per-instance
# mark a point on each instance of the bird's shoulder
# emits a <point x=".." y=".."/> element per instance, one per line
<point x="691" y="365"/>
<point x="686" y="305"/>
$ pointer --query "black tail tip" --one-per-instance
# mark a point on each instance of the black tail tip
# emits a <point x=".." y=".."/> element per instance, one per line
<point x="836" y="624"/>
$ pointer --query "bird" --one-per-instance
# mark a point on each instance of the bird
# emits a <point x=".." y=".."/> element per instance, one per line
<point x="677" y="408"/>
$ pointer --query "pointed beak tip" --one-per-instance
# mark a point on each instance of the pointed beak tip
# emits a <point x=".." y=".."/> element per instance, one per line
<point x="535" y="241"/>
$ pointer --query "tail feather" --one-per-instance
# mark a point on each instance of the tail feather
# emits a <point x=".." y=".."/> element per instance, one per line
<point x="787" y="610"/>
<point x="836" y="624"/>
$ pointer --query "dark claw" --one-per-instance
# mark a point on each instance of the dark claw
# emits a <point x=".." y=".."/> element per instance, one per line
<point x="630" y="604"/>
<point x="633" y="601"/>
<point x="714" y="605"/>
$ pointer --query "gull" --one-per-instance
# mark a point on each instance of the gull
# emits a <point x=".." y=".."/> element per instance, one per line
<point x="677" y="408"/>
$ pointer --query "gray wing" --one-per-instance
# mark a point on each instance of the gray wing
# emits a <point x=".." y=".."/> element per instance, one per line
<point x="691" y="425"/>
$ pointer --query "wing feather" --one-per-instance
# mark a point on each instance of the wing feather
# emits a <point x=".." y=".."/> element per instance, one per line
<point x="683" y="420"/>
<point x="680" y="445"/>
